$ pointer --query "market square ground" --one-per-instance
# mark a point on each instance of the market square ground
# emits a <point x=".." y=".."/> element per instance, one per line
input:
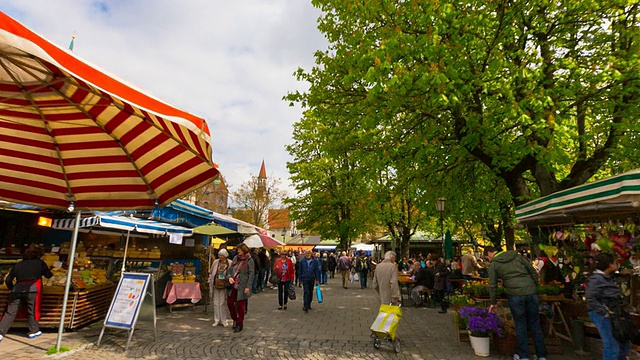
<point x="335" y="329"/>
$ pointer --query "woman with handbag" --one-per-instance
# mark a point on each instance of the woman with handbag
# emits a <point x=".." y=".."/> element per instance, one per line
<point x="218" y="288"/>
<point x="283" y="273"/>
<point x="603" y="296"/>
<point x="240" y="278"/>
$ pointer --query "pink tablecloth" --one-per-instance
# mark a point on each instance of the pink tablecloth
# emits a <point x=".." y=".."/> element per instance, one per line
<point x="175" y="291"/>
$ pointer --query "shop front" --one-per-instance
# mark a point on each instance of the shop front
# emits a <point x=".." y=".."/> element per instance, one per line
<point x="571" y="226"/>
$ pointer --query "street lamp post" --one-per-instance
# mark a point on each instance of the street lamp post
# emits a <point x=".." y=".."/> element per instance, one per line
<point x="440" y="205"/>
<point x="284" y="235"/>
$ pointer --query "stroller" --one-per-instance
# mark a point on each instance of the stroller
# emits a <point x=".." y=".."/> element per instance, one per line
<point x="386" y="325"/>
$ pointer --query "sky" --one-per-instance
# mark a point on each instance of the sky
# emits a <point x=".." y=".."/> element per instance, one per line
<point x="228" y="61"/>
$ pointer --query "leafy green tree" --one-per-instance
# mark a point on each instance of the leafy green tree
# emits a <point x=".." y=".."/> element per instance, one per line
<point x="331" y="199"/>
<point x="541" y="94"/>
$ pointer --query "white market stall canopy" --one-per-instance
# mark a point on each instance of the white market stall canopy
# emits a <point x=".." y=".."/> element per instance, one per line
<point x="363" y="247"/>
<point x="616" y="196"/>
<point x="124" y="223"/>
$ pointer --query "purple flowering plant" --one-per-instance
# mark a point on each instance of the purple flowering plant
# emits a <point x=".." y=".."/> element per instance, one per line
<point x="480" y="321"/>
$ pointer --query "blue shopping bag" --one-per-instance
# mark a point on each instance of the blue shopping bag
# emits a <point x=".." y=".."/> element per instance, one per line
<point x="319" y="294"/>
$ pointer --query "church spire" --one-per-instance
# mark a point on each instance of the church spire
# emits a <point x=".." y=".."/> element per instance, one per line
<point x="263" y="171"/>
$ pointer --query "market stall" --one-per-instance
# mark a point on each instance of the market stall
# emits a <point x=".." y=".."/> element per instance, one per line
<point x="576" y="223"/>
<point x="144" y="259"/>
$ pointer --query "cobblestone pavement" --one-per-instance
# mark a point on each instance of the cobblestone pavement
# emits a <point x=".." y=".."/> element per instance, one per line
<point x="335" y="329"/>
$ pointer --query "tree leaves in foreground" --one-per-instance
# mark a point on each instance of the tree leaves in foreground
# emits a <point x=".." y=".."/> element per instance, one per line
<point x="540" y="95"/>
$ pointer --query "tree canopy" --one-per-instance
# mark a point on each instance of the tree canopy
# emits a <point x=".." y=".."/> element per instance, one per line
<point x="493" y="102"/>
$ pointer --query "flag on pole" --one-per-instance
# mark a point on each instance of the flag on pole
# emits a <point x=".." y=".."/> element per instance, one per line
<point x="73" y="39"/>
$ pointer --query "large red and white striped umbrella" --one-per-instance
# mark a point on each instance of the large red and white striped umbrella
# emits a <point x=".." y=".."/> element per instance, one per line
<point x="69" y="132"/>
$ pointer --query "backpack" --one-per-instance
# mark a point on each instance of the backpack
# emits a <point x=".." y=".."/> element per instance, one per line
<point x="362" y="263"/>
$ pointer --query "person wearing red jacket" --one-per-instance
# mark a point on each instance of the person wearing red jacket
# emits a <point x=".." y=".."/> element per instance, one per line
<point x="284" y="271"/>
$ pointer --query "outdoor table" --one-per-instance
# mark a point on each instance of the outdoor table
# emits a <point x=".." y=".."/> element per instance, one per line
<point x="405" y="282"/>
<point x="182" y="291"/>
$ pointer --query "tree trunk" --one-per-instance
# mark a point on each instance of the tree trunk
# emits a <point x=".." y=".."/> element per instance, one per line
<point x="405" y="245"/>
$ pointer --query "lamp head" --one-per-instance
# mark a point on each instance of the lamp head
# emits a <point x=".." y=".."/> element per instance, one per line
<point x="71" y="207"/>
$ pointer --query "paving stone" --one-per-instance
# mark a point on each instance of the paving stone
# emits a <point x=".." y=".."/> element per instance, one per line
<point x="336" y="329"/>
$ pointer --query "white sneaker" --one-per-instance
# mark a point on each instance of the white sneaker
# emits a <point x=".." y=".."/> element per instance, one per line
<point x="535" y="357"/>
<point x="215" y="323"/>
<point x="517" y="357"/>
<point x="35" y="335"/>
<point x="1" y="337"/>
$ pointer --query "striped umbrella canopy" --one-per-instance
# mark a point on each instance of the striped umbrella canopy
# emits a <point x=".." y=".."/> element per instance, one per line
<point x="616" y="196"/>
<point x="259" y="240"/>
<point x="71" y="133"/>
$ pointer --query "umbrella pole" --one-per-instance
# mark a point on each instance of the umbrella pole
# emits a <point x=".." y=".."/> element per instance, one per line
<point x="126" y="247"/>
<point x="206" y="305"/>
<point x="72" y="254"/>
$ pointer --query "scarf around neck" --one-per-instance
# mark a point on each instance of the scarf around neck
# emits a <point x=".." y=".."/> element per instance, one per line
<point x="240" y="262"/>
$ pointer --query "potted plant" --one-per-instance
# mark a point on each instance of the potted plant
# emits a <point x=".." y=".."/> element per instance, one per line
<point x="481" y="324"/>
<point x="458" y="301"/>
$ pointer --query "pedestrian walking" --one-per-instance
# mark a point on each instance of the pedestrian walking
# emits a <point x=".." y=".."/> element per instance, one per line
<point x="343" y="266"/>
<point x="363" y="266"/>
<point x="324" y="278"/>
<point x="603" y="300"/>
<point x="333" y="263"/>
<point x="283" y="270"/>
<point x="241" y="275"/>
<point x="385" y="279"/>
<point x="309" y="275"/>
<point x="520" y="280"/>
<point x="28" y="275"/>
<point x="218" y="288"/>
<point x="256" y="287"/>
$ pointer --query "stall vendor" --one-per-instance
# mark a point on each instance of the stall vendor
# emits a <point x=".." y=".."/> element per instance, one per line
<point x="26" y="291"/>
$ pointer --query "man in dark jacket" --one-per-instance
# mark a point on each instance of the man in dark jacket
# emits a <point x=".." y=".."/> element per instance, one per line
<point x="520" y="280"/>
<point x="333" y="263"/>
<point x="309" y="273"/>
<point x="440" y="284"/>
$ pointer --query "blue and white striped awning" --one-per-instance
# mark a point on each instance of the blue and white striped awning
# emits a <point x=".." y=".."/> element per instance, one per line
<point x="124" y="223"/>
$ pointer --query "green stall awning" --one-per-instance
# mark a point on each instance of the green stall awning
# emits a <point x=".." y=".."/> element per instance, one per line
<point x="617" y="196"/>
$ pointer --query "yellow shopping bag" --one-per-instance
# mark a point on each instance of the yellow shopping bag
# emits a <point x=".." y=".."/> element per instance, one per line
<point x="387" y="320"/>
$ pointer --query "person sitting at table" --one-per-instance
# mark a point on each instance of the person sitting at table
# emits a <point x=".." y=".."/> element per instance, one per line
<point x="422" y="283"/>
<point x="456" y="273"/>
<point x="403" y="265"/>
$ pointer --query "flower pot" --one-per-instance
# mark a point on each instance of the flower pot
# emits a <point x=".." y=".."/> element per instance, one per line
<point x="506" y="346"/>
<point x="480" y="345"/>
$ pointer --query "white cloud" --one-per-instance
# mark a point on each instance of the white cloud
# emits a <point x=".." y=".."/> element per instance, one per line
<point x="230" y="62"/>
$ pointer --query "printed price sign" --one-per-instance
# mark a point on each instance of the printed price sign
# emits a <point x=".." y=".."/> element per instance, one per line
<point x="127" y="299"/>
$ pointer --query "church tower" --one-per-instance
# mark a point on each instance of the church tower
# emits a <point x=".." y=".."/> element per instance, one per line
<point x="262" y="180"/>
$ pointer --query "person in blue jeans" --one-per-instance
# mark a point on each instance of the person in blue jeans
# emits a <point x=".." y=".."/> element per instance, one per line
<point x="363" y="265"/>
<point x="520" y="280"/>
<point x="309" y="275"/>
<point x="603" y="294"/>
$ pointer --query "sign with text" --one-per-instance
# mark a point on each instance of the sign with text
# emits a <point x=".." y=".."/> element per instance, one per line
<point x="126" y="302"/>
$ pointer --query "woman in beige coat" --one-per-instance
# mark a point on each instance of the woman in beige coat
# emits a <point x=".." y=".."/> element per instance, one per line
<point x="385" y="279"/>
<point x="217" y="289"/>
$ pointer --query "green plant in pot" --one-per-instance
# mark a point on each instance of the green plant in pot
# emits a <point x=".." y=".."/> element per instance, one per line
<point x="458" y="301"/>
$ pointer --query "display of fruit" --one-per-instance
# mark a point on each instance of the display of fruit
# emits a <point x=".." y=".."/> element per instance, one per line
<point x="50" y="258"/>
